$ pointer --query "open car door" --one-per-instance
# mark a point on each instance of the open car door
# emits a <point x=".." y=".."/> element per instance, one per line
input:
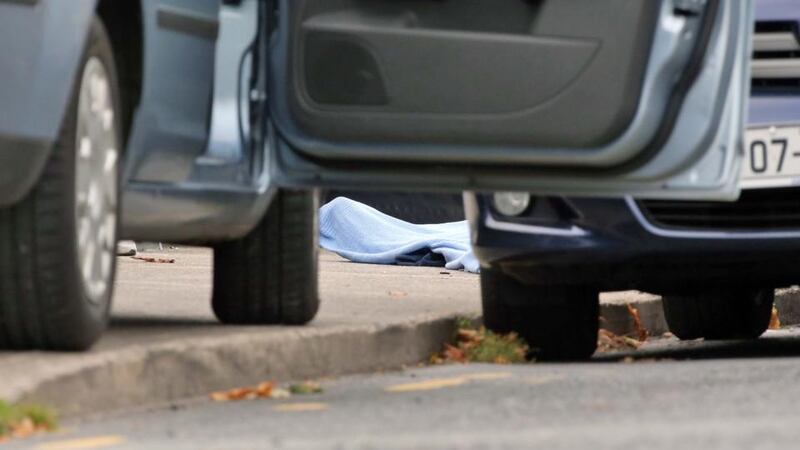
<point x="578" y="97"/>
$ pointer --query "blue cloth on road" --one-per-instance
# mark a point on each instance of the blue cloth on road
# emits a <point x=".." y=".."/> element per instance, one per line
<point x="363" y="234"/>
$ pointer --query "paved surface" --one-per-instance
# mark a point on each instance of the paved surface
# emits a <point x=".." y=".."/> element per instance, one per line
<point x="163" y="329"/>
<point x="723" y="400"/>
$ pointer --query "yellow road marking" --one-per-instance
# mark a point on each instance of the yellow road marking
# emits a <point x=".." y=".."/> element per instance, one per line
<point x="488" y="376"/>
<point x="440" y="383"/>
<point x="543" y="379"/>
<point x="300" y="407"/>
<point x="83" y="443"/>
<point x="427" y="385"/>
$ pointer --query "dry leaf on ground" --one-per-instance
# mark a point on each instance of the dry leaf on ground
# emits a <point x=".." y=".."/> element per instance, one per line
<point x="774" y="320"/>
<point x="280" y="393"/>
<point x="641" y="331"/>
<point x="21" y="421"/>
<point x="481" y="345"/>
<point x="23" y="428"/>
<point x="453" y="354"/>
<point x="608" y="341"/>
<point x="267" y="389"/>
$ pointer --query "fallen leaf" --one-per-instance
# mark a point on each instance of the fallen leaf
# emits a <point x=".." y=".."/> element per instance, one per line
<point x="23" y="428"/>
<point x="467" y="335"/>
<point x="631" y="342"/>
<point x="608" y="341"/>
<point x="245" y="393"/>
<point x="481" y="345"/>
<point x="774" y="320"/>
<point x="308" y="387"/>
<point x="280" y="393"/>
<point x="265" y="389"/>
<point x="151" y="259"/>
<point x="398" y="294"/>
<point x="641" y="331"/>
<point x="436" y="359"/>
<point x="454" y="354"/>
<point x="22" y="421"/>
<point x="240" y="393"/>
<point x="219" y="396"/>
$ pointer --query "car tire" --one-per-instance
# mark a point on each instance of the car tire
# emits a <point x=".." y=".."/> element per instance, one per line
<point x="557" y="322"/>
<point x="57" y="244"/>
<point x="720" y="314"/>
<point x="270" y="275"/>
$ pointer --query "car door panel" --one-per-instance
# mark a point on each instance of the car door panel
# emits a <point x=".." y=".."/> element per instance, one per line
<point x="216" y="187"/>
<point x="420" y="70"/>
<point x="569" y="96"/>
<point x="171" y="124"/>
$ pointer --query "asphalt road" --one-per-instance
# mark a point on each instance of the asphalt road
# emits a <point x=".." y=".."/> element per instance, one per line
<point x="672" y="395"/>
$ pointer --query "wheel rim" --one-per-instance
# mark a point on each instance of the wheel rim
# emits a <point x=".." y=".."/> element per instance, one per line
<point x="96" y="176"/>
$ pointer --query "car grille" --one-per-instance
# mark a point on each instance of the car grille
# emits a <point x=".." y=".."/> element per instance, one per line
<point x="756" y="210"/>
<point x="776" y="58"/>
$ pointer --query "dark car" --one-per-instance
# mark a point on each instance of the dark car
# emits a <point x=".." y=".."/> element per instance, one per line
<point x="211" y="121"/>
<point x="715" y="263"/>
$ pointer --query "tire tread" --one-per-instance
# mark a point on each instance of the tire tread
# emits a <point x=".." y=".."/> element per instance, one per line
<point x="561" y="322"/>
<point x="42" y="305"/>
<point x="270" y="276"/>
<point x="742" y="313"/>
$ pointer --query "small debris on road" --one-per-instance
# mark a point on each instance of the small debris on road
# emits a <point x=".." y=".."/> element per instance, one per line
<point x="265" y="390"/>
<point x="305" y="388"/>
<point x="398" y="294"/>
<point x="608" y="341"/>
<point x="641" y="332"/>
<point x="775" y="320"/>
<point x="21" y="421"/>
<point x="151" y="259"/>
<point x="482" y="345"/>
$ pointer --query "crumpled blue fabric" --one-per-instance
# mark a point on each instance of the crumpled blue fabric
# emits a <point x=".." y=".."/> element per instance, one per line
<point x="363" y="234"/>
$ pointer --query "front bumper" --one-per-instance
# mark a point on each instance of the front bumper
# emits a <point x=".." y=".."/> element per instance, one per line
<point x="609" y="243"/>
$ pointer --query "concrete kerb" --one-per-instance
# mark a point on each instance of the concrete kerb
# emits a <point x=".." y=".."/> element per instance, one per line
<point x="614" y="315"/>
<point x="163" y="373"/>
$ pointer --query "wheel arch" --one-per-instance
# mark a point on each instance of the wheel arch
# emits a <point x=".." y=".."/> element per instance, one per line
<point x="38" y="66"/>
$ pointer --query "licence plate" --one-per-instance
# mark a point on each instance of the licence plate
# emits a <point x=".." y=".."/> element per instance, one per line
<point x="772" y="158"/>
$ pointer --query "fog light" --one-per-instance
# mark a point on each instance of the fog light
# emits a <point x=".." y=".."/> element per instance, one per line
<point x="511" y="203"/>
